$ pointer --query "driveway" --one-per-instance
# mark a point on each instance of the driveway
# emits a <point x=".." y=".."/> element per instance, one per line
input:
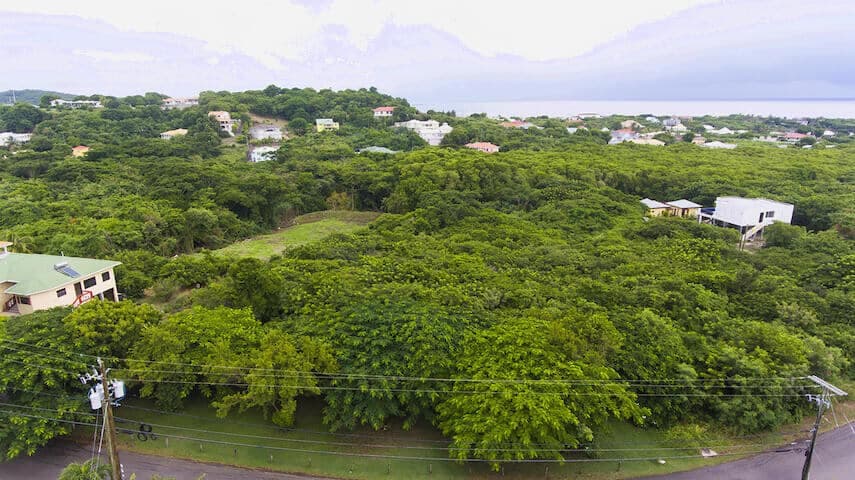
<point x="833" y="459"/>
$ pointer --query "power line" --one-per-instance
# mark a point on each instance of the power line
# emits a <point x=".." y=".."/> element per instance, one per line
<point x="473" y="392"/>
<point x="395" y="457"/>
<point x="662" y="382"/>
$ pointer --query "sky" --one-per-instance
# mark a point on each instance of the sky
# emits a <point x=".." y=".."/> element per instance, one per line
<point x="266" y="30"/>
<point x="438" y="50"/>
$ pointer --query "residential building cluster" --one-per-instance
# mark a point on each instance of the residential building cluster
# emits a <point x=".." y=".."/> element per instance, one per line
<point x="60" y="103"/>
<point x="179" y="103"/>
<point x="225" y="121"/>
<point x="8" y="138"/>
<point x="429" y="130"/>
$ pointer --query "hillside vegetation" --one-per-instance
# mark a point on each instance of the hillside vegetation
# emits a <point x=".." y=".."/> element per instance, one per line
<point x="518" y="302"/>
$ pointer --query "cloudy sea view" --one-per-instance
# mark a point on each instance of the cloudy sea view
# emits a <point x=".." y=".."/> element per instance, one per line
<point x="833" y="108"/>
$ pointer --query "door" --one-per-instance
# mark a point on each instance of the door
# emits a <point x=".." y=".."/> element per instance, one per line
<point x="78" y="289"/>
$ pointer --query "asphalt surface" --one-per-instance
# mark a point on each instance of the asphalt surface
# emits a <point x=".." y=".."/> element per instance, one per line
<point x="50" y="460"/>
<point x="833" y="459"/>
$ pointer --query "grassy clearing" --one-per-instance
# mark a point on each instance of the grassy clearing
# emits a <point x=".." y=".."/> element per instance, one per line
<point x="306" y="229"/>
<point x="308" y="448"/>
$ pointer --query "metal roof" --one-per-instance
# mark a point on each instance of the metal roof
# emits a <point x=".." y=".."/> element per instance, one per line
<point x="683" y="203"/>
<point x="653" y="203"/>
<point x="33" y="274"/>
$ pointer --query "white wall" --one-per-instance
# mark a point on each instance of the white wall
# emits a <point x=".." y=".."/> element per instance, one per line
<point x="48" y="299"/>
<point x="746" y="211"/>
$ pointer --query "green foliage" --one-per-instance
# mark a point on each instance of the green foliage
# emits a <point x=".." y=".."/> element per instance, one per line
<point x="87" y="470"/>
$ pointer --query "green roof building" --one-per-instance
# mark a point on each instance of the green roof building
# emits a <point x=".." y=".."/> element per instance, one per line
<point x="37" y="282"/>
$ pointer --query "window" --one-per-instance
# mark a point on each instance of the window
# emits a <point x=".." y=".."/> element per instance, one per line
<point x="24" y="300"/>
<point x="105" y="276"/>
<point x="89" y="282"/>
<point x="60" y="293"/>
<point x="770" y="214"/>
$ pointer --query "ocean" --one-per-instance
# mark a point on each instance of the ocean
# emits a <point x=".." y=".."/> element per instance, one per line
<point x="844" y="108"/>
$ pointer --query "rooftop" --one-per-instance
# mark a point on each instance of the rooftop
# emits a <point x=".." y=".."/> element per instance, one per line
<point x="384" y="109"/>
<point x="653" y="203"/>
<point x="33" y="273"/>
<point x="683" y="203"/>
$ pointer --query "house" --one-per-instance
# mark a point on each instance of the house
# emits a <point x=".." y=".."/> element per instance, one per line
<point x="828" y="133"/>
<point x="722" y="131"/>
<point x="647" y="141"/>
<point x="224" y="120"/>
<point x="383" y="112"/>
<point x="79" y="151"/>
<point x="717" y="144"/>
<point x="655" y="208"/>
<point x="375" y="149"/>
<point x="265" y="132"/>
<point x="8" y="138"/>
<point x="748" y="215"/>
<point x="324" y="124"/>
<point x="794" y="137"/>
<point x="60" y="103"/>
<point x="169" y="135"/>
<point x="698" y="140"/>
<point x="671" y="122"/>
<point x="708" y="128"/>
<point x="684" y="208"/>
<point x="678" y="208"/>
<point x="417" y="124"/>
<point x="485" y="147"/>
<point x="652" y="119"/>
<point x="623" y="135"/>
<point x="589" y="115"/>
<point x="517" y="124"/>
<point x="430" y="130"/>
<point x="768" y="139"/>
<point x="179" y="103"/>
<point x="629" y="124"/>
<point x="679" y="128"/>
<point x="37" y="282"/>
<point x="572" y="130"/>
<point x="262" y="154"/>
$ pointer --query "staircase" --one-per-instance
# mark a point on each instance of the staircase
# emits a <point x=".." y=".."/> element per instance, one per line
<point x="752" y="232"/>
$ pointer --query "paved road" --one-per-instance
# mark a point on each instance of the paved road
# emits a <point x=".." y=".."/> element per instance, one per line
<point x="833" y="459"/>
<point x="50" y="460"/>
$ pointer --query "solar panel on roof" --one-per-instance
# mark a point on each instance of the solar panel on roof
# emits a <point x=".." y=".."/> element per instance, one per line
<point x="65" y="269"/>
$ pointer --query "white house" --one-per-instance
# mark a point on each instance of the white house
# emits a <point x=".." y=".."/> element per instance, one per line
<point x="652" y="119"/>
<point x="722" y="131"/>
<point x="383" y="112"/>
<point x="224" y="119"/>
<point x="37" y="282"/>
<point x="324" y="124"/>
<point x="623" y="135"/>
<point x="749" y="215"/>
<point x="679" y="128"/>
<point x="430" y="130"/>
<point x="170" y="134"/>
<point x="671" y="122"/>
<point x="180" y="103"/>
<point x="265" y="132"/>
<point x="262" y="154"/>
<point x="7" y="138"/>
<point x="708" y="127"/>
<point x="828" y="133"/>
<point x="717" y="144"/>
<point x="60" y="103"/>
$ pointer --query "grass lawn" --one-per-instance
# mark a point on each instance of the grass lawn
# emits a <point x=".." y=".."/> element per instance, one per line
<point x="196" y="433"/>
<point x="306" y="229"/>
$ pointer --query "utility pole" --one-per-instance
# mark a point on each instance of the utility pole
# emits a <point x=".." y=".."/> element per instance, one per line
<point x="111" y="391"/>
<point x="112" y="446"/>
<point x="822" y="401"/>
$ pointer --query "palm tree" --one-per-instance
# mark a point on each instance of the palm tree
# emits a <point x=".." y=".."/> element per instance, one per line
<point x="87" y="470"/>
